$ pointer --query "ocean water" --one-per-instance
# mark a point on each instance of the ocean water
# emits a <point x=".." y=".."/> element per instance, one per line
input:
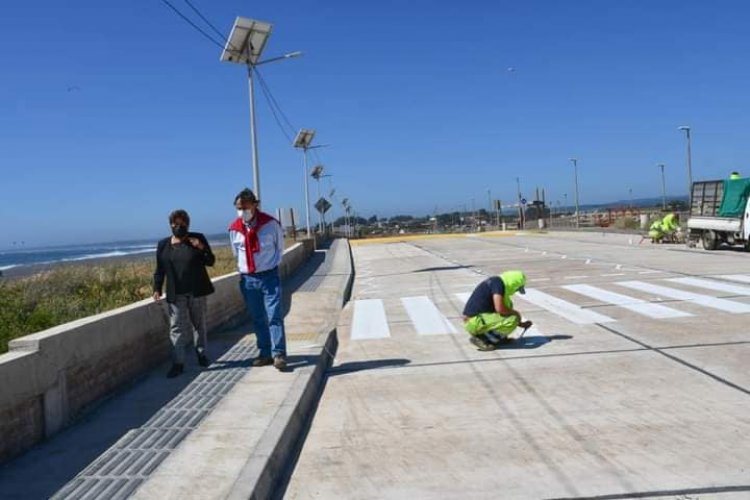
<point x="13" y="258"/>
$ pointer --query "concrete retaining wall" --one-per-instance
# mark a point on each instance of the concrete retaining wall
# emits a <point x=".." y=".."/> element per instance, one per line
<point x="50" y="377"/>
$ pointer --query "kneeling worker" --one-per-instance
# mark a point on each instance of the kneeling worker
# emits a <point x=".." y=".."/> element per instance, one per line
<point x="489" y="316"/>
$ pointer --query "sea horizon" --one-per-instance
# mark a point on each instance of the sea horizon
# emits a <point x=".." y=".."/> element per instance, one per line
<point x="20" y="256"/>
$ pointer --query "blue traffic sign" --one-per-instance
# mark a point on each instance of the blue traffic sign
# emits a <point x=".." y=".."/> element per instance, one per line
<point x="523" y="201"/>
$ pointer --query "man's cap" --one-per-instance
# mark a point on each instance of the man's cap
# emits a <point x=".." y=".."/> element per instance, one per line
<point x="246" y="195"/>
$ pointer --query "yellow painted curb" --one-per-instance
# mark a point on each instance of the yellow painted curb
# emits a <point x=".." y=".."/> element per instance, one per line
<point x="413" y="237"/>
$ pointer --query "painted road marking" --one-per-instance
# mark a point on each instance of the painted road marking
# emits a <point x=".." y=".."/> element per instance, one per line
<point x="639" y="306"/>
<point x="703" y="300"/>
<point x="369" y="320"/>
<point x="742" y="278"/>
<point x="713" y="285"/>
<point x="569" y="311"/>
<point x="426" y="317"/>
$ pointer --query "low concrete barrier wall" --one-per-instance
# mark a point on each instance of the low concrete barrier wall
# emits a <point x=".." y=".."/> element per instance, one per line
<point x="49" y="378"/>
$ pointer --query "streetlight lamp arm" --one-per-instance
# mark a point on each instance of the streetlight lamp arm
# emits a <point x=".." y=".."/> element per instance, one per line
<point x="290" y="55"/>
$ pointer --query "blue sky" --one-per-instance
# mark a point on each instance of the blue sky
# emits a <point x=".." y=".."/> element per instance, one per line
<point x="114" y="113"/>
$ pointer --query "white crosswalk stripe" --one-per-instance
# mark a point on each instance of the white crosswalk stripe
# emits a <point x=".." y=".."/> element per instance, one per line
<point x="370" y="321"/>
<point x="742" y="278"/>
<point x="703" y="300"/>
<point x="713" y="285"/>
<point x="639" y="306"/>
<point x="426" y="317"/>
<point x="565" y="309"/>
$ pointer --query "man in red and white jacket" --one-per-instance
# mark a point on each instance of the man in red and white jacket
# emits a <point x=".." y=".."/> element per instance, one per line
<point x="257" y="241"/>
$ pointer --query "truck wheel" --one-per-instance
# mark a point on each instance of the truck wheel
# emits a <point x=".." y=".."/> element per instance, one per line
<point x="708" y="240"/>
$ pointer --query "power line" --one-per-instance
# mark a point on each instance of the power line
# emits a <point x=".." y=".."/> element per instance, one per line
<point x="317" y="156"/>
<point x="270" y="105"/>
<point x="263" y="83"/>
<point x="191" y="23"/>
<point x="199" y="14"/>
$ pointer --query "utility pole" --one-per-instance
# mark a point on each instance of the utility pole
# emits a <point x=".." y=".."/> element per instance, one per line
<point x="520" y="207"/>
<point x="575" y="172"/>
<point x="663" y="188"/>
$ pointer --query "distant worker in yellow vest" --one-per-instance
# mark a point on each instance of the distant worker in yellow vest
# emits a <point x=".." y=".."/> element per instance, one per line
<point x="734" y="176"/>
<point x="655" y="232"/>
<point x="669" y="226"/>
<point x="489" y="317"/>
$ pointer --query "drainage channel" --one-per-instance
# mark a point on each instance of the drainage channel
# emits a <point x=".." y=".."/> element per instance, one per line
<point x="120" y="470"/>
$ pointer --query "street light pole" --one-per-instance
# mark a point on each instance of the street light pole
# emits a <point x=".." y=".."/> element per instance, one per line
<point x="686" y="129"/>
<point x="253" y="132"/>
<point x="663" y="188"/>
<point x="245" y="45"/>
<point x="307" y="194"/>
<point x="520" y="207"/>
<point x="575" y="173"/>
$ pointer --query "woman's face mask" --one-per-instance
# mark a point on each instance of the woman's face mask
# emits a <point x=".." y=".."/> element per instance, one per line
<point x="179" y="231"/>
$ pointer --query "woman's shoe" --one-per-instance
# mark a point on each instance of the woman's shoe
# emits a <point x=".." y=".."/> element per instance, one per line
<point x="176" y="369"/>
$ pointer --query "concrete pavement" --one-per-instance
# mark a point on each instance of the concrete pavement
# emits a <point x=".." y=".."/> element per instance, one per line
<point x="633" y="382"/>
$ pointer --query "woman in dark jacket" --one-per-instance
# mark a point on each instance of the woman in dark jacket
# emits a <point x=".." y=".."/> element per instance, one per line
<point x="182" y="258"/>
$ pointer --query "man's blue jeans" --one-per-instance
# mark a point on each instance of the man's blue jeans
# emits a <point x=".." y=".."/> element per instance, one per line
<point x="262" y="294"/>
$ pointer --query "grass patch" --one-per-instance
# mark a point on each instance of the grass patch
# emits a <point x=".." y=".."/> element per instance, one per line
<point x="73" y="291"/>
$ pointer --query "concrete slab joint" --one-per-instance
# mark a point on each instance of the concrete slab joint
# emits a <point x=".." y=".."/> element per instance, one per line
<point x="56" y="406"/>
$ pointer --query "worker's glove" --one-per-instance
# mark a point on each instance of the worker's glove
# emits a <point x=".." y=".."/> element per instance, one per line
<point x="525" y="324"/>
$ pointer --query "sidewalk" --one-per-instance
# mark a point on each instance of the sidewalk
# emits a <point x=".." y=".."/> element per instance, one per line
<point x="210" y="433"/>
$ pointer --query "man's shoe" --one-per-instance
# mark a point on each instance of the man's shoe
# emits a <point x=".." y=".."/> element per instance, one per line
<point x="263" y="361"/>
<point x="481" y="343"/>
<point x="279" y="362"/>
<point x="176" y="369"/>
<point x="202" y="358"/>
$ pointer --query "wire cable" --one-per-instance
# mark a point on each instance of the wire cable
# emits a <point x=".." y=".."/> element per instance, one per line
<point x="191" y="23"/>
<point x="199" y="14"/>
<point x="263" y="84"/>
<point x="264" y="90"/>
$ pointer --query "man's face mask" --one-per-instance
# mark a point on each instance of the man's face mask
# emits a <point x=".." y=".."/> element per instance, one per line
<point x="246" y="214"/>
<point x="180" y="231"/>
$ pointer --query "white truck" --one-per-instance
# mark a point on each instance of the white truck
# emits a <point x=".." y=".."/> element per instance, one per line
<point x="720" y="213"/>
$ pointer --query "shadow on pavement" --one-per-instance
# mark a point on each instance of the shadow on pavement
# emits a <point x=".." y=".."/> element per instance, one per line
<point x="357" y="366"/>
<point x="442" y="268"/>
<point x="532" y="342"/>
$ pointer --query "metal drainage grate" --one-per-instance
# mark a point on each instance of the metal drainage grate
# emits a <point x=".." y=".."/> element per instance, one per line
<point x="120" y="470"/>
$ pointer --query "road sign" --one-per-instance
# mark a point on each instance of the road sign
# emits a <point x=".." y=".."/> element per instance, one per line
<point x="322" y="205"/>
<point x="523" y="201"/>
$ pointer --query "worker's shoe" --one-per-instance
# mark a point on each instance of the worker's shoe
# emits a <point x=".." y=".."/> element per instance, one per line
<point x="497" y="340"/>
<point x="175" y="370"/>
<point x="279" y="362"/>
<point x="482" y="343"/>
<point x="263" y="361"/>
